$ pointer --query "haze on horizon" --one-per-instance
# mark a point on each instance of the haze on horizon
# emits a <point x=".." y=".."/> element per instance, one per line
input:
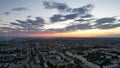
<point x="53" y="18"/>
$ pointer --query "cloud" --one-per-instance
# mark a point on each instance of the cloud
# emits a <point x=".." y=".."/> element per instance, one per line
<point x="28" y="25"/>
<point x="83" y="9"/>
<point x="87" y="16"/>
<point x="72" y="13"/>
<point x="21" y="22"/>
<point x="56" y="18"/>
<point x="38" y="22"/>
<point x="84" y="26"/>
<point x="59" y="17"/>
<point x="19" y="9"/>
<point x="107" y="23"/>
<point x="29" y="16"/>
<point x="55" y="5"/>
<point x="105" y="20"/>
<point x="16" y="24"/>
<point x="101" y="23"/>
<point x="82" y="20"/>
<point x="69" y="28"/>
<point x="6" y="13"/>
<point x="112" y="35"/>
<point x="62" y="7"/>
<point x="0" y="20"/>
<point x="70" y="16"/>
<point x="7" y="28"/>
<point x="36" y="26"/>
<point x="15" y="9"/>
<point x="108" y="26"/>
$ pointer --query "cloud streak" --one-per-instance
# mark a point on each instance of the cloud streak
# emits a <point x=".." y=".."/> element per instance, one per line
<point x="6" y="13"/>
<point x="19" y="9"/>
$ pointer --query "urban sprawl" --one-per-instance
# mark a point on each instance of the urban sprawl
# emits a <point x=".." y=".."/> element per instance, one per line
<point x="60" y="53"/>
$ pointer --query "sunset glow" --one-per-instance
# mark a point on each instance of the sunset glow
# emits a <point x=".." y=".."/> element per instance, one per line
<point x="80" y="33"/>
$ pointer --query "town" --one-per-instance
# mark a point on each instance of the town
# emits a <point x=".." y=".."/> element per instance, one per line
<point x="60" y="53"/>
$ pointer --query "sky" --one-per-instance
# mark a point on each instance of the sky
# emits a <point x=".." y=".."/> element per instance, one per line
<point x="59" y="18"/>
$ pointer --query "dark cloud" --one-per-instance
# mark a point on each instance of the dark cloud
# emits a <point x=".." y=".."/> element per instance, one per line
<point x="73" y="27"/>
<point x="71" y="16"/>
<point x="15" y="32"/>
<point x="106" y="23"/>
<point x="83" y="9"/>
<point x="87" y="16"/>
<point x="0" y="20"/>
<point x="14" y="23"/>
<point x="29" y="25"/>
<point x="72" y="13"/>
<point x="85" y="20"/>
<point x="33" y="26"/>
<point x="7" y="28"/>
<point x="111" y="35"/>
<point x="56" y="18"/>
<point x="84" y="26"/>
<point x="14" y="9"/>
<point x="6" y="13"/>
<point x="21" y="22"/>
<point x="62" y="7"/>
<point x="53" y="30"/>
<point x="55" y="5"/>
<point x="107" y="26"/>
<point x="39" y="21"/>
<point x="29" y="16"/>
<point x="59" y="17"/>
<point x="105" y="20"/>
<point x="101" y="23"/>
<point x="20" y="9"/>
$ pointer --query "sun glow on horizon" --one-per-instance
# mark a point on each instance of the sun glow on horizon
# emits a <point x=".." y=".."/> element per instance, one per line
<point x="80" y="33"/>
